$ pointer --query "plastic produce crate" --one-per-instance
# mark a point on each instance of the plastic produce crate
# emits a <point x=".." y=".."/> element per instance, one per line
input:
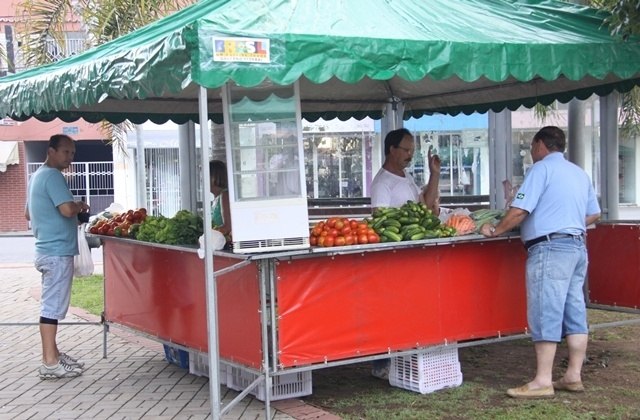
<point x="176" y="356"/>
<point x="289" y="385"/>
<point x="199" y="366"/>
<point x="426" y="372"/>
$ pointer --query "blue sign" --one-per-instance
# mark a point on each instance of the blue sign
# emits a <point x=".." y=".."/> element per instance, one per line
<point x="70" y="130"/>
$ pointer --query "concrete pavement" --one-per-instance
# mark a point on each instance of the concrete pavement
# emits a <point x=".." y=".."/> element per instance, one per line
<point x="133" y="382"/>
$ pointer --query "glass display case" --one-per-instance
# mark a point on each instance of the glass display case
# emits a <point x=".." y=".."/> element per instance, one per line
<point x="265" y="160"/>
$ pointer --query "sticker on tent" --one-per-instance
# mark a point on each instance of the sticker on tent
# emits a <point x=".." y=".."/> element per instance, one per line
<point x="247" y="50"/>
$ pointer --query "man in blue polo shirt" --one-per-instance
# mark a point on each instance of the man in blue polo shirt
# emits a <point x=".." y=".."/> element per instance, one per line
<point x="555" y="204"/>
<point x="54" y="220"/>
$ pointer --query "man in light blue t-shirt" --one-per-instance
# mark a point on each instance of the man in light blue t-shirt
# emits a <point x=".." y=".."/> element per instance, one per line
<point x="54" y="220"/>
<point x="555" y="204"/>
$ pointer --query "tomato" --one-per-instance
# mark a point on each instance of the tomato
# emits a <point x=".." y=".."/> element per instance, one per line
<point x="319" y="225"/>
<point x="316" y="231"/>
<point x="329" y="241"/>
<point x="313" y="240"/>
<point x="363" y="238"/>
<point x="324" y="233"/>
<point x="370" y="231"/>
<point x="362" y="225"/>
<point x="373" y="238"/>
<point x="354" y="224"/>
<point x="333" y="232"/>
<point x="143" y="211"/>
<point x="321" y="240"/>
<point x="349" y="239"/>
<point x="93" y="230"/>
<point x="339" y="224"/>
<point x="340" y="241"/>
<point x="346" y="229"/>
<point x="331" y="222"/>
<point x="138" y="216"/>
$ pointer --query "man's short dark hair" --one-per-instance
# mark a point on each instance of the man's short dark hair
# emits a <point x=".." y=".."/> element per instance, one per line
<point x="55" y="140"/>
<point x="394" y="138"/>
<point x="552" y="137"/>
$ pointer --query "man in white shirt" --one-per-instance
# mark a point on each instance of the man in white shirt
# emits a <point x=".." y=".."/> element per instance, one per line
<point x="393" y="186"/>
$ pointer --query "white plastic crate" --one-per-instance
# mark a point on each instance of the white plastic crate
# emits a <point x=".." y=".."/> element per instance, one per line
<point x="199" y="366"/>
<point x="426" y="372"/>
<point x="289" y="385"/>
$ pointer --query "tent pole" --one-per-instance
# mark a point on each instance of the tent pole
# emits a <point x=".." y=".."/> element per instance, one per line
<point x="212" y="302"/>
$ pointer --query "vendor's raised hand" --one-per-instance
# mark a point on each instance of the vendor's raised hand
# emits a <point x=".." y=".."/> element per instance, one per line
<point x="434" y="161"/>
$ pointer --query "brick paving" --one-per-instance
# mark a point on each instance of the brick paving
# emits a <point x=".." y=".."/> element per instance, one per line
<point x="133" y="382"/>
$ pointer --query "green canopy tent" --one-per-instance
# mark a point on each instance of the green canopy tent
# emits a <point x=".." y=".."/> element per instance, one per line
<point x="351" y="59"/>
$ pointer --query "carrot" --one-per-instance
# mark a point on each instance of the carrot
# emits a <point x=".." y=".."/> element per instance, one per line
<point x="463" y="224"/>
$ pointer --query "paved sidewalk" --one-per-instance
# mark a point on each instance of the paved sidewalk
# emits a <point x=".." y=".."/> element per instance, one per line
<point x="133" y="382"/>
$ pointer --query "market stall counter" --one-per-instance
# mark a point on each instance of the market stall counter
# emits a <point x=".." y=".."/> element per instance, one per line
<point x="322" y="304"/>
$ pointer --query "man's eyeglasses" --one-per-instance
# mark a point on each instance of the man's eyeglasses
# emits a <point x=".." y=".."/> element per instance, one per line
<point x="406" y="149"/>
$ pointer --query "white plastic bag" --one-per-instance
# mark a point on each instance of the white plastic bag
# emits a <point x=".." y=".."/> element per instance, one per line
<point x="218" y="242"/>
<point x="82" y="263"/>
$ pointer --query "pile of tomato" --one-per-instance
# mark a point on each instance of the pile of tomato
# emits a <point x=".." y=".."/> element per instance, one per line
<point x="123" y="225"/>
<point x="338" y="231"/>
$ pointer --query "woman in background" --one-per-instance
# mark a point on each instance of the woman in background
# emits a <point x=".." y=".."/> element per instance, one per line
<point x="220" y="211"/>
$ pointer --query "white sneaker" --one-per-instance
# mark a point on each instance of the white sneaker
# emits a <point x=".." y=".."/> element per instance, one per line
<point x="59" y="370"/>
<point x="71" y="361"/>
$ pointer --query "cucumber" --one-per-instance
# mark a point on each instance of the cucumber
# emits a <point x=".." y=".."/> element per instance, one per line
<point x="378" y="222"/>
<point x="418" y="236"/>
<point x="411" y="233"/>
<point x="392" y="222"/>
<point x="392" y="236"/>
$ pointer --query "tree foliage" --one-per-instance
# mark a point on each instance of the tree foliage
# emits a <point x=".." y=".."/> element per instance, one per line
<point x="44" y="21"/>
<point x="625" y="16"/>
<point x="624" y="21"/>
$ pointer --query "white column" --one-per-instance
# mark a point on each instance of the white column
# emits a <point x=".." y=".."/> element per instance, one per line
<point x="141" y="179"/>
<point x="609" y="146"/>
<point x="576" y="133"/>
<point x="500" y="157"/>
<point x="187" y="155"/>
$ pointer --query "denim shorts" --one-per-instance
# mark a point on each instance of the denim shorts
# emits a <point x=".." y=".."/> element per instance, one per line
<point x="556" y="272"/>
<point x="57" y="276"/>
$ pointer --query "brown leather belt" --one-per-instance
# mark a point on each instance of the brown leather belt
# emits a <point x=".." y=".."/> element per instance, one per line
<point x="549" y="237"/>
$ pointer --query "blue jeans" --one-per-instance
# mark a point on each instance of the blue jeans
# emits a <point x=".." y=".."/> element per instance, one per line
<point x="556" y="271"/>
<point x="57" y="276"/>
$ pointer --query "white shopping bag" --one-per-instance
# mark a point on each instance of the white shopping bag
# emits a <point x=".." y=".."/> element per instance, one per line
<point x="82" y="263"/>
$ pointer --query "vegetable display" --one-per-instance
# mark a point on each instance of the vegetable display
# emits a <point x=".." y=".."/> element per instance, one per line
<point x="182" y="229"/>
<point x="482" y="216"/>
<point x="411" y="222"/>
<point x="462" y="223"/>
<point x="123" y="224"/>
<point x="339" y="231"/>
